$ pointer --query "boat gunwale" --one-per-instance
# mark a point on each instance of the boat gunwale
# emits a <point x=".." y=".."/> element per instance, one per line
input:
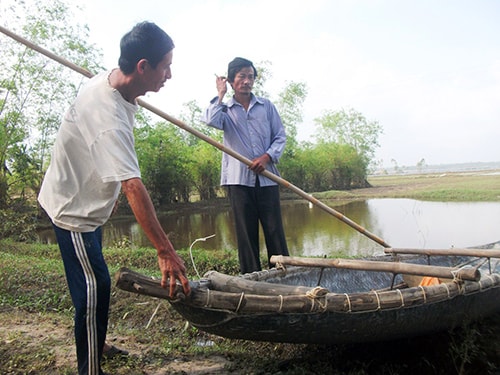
<point x="321" y="300"/>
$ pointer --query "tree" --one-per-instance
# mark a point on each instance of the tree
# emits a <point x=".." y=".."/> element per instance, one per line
<point x="295" y="169"/>
<point x="263" y="75"/>
<point x="421" y="165"/>
<point x="331" y="166"/>
<point x="351" y="128"/>
<point x="289" y="106"/>
<point x="397" y="168"/>
<point x="350" y="140"/>
<point x="165" y="160"/>
<point x="34" y="90"/>
<point x="205" y="168"/>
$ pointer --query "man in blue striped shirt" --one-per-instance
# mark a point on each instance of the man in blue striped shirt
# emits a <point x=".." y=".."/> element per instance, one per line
<point x="253" y="128"/>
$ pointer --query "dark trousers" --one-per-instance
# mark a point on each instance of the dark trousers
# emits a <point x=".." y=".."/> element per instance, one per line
<point x="251" y="205"/>
<point x="89" y="285"/>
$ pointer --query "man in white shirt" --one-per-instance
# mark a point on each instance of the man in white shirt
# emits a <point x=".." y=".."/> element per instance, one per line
<point x="93" y="159"/>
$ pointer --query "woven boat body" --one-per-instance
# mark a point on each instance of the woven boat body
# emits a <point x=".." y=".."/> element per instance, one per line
<point x="336" y="306"/>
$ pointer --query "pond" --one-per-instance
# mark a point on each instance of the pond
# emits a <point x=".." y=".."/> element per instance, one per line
<point x="310" y="231"/>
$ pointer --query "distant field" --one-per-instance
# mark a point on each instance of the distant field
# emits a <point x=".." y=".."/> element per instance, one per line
<point x="455" y="186"/>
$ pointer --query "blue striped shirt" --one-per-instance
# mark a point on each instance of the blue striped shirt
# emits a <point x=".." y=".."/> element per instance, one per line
<point x="250" y="133"/>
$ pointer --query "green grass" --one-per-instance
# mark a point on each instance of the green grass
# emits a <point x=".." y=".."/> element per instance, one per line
<point x="442" y="187"/>
<point x="451" y="187"/>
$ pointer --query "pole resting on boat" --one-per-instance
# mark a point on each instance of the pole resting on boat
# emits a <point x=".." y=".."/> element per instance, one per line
<point x="464" y="273"/>
<point x="480" y="253"/>
<point x="207" y="139"/>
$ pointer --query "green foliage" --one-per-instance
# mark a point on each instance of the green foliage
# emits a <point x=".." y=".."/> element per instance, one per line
<point x="19" y="223"/>
<point x="289" y="107"/>
<point x="349" y="127"/>
<point x="175" y="163"/>
<point x="144" y="259"/>
<point x="46" y="291"/>
<point x="339" y="160"/>
<point x="164" y="158"/>
<point x="34" y="90"/>
<point x="263" y="75"/>
<point x="28" y="171"/>
<point x="295" y="169"/>
<point x="205" y="168"/>
<point x="224" y="261"/>
<point x="325" y="166"/>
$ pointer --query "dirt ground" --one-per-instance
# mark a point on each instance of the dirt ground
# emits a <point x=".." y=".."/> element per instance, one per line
<point x="22" y="333"/>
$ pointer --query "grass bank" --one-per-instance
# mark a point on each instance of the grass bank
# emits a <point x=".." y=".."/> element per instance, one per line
<point x="459" y="187"/>
<point x="36" y="314"/>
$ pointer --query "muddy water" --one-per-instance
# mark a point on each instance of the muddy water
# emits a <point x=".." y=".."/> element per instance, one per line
<point x="311" y="231"/>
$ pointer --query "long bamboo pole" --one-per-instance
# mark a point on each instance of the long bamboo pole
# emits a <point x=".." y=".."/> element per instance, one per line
<point x="481" y="253"/>
<point x="207" y="139"/>
<point x="370" y="265"/>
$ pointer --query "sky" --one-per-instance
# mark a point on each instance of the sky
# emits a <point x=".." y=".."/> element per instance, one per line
<point x="427" y="71"/>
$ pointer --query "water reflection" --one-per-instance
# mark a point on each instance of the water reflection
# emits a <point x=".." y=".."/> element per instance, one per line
<point x="412" y="223"/>
<point x="312" y="232"/>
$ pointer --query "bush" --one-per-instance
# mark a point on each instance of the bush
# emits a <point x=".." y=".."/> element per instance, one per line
<point x="19" y="223"/>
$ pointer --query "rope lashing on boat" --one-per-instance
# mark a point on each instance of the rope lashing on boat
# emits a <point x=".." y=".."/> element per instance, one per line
<point x="423" y="293"/>
<point x="238" y="307"/>
<point x="239" y="303"/>
<point x="280" y="266"/>
<point x="456" y="274"/>
<point x="348" y="302"/>
<point x="458" y="280"/>
<point x="281" y="304"/>
<point x="378" y="300"/>
<point x="315" y="294"/>
<point x="207" y="304"/>
<point x="447" y="289"/>
<point x="191" y="252"/>
<point x="402" y="298"/>
<point x="489" y="277"/>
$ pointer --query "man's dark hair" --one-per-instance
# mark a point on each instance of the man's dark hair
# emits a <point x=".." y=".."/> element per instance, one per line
<point x="236" y="65"/>
<point x="145" y="41"/>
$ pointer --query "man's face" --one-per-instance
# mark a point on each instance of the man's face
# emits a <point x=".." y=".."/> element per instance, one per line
<point x="157" y="77"/>
<point x="243" y="81"/>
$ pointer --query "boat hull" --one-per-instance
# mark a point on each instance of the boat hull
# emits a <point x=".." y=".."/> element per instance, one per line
<point x="324" y="305"/>
<point x="344" y="327"/>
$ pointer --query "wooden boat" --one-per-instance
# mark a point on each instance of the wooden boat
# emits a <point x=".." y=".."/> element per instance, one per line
<point x="338" y="301"/>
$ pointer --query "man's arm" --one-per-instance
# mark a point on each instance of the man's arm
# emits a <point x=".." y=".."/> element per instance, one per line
<point x="171" y="265"/>
<point x="213" y="115"/>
